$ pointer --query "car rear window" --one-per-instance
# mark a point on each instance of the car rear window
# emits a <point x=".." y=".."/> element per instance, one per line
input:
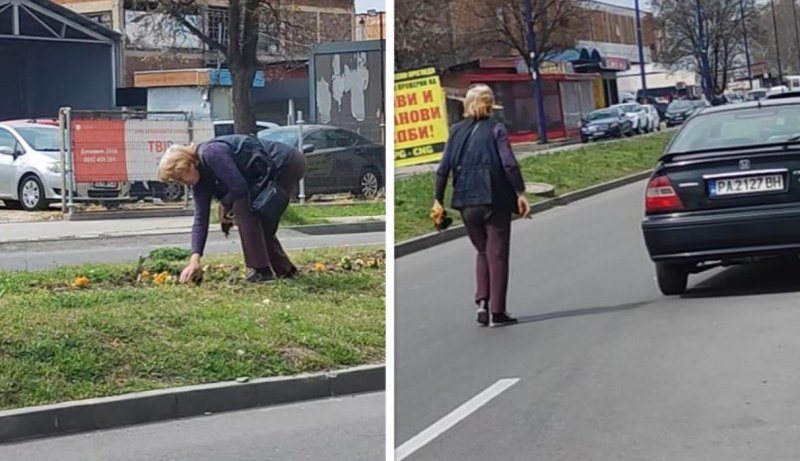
<point x="738" y="128"/>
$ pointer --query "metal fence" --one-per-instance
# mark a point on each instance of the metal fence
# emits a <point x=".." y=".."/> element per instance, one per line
<point x="109" y="159"/>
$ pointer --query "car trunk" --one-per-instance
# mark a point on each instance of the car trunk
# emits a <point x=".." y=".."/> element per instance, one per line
<point x="735" y="178"/>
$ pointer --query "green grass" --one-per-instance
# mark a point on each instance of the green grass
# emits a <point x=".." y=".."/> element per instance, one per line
<point x="567" y="171"/>
<point x="121" y="335"/>
<point x="297" y="215"/>
<point x="317" y="214"/>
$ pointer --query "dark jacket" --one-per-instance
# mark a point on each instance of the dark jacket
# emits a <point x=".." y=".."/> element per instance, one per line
<point x="231" y="167"/>
<point x="480" y="173"/>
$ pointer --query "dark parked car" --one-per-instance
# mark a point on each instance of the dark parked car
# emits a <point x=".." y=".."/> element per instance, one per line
<point x="339" y="161"/>
<point x="726" y="191"/>
<point x="606" y="123"/>
<point x="678" y="111"/>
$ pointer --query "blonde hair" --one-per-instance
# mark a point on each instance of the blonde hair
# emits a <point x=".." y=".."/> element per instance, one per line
<point x="479" y="102"/>
<point x="176" y="160"/>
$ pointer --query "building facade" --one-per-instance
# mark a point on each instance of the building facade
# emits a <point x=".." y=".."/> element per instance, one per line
<point x="371" y="26"/>
<point x="151" y="42"/>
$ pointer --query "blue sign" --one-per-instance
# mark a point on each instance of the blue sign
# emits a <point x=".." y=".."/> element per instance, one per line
<point x="222" y="77"/>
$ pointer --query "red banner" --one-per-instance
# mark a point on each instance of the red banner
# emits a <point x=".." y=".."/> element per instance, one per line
<point x="98" y="148"/>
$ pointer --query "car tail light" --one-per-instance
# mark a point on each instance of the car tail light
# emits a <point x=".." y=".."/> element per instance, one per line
<point x="661" y="196"/>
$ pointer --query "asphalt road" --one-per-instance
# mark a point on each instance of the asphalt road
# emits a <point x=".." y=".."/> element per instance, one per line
<point x="45" y="255"/>
<point x="602" y="366"/>
<point x="346" y="428"/>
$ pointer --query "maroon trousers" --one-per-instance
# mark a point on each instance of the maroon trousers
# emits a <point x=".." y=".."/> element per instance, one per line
<point x="260" y="245"/>
<point x="490" y="232"/>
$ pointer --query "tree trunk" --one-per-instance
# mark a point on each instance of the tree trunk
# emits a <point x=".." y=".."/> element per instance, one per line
<point x="244" y="120"/>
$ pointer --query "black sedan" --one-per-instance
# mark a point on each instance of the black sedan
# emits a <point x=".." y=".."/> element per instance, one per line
<point x="726" y="191"/>
<point x="337" y="160"/>
<point x="604" y="124"/>
<point x="679" y="111"/>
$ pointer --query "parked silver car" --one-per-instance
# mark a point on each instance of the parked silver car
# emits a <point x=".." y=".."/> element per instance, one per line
<point x="30" y="168"/>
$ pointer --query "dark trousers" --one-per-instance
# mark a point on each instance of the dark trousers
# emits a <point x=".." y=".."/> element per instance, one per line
<point x="490" y="232"/>
<point x="260" y="245"/>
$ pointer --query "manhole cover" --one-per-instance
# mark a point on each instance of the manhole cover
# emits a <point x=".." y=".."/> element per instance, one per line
<point x="540" y="189"/>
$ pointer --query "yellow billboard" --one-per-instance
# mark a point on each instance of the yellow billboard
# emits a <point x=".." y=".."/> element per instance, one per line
<point x="420" y="117"/>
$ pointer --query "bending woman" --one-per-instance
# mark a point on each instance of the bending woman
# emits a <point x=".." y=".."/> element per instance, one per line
<point x="224" y="168"/>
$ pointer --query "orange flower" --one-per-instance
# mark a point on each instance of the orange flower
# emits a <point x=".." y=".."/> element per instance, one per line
<point x="81" y="282"/>
<point x="319" y="267"/>
<point x="161" y="278"/>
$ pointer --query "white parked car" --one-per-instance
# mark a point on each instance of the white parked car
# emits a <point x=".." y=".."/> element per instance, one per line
<point x="30" y="168"/>
<point x="635" y="112"/>
<point x="652" y="118"/>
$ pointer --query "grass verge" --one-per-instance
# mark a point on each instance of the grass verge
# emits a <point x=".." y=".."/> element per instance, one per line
<point x="567" y="171"/>
<point x="126" y="333"/>
<point x="297" y="215"/>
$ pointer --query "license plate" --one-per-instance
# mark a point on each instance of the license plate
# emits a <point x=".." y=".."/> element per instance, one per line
<point x="105" y="185"/>
<point x="749" y="185"/>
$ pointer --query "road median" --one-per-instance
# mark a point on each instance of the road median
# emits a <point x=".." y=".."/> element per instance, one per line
<point x="103" y="332"/>
<point x="575" y="174"/>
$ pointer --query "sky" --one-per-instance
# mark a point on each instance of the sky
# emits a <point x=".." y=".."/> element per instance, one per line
<point x="364" y="5"/>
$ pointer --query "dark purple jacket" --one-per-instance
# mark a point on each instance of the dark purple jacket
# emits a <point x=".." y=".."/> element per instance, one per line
<point x="232" y="187"/>
<point x="500" y="143"/>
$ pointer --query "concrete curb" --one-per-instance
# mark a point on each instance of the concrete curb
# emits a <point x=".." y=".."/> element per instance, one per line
<point x="316" y="230"/>
<point x="160" y="405"/>
<point x="132" y="214"/>
<point x="433" y="239"/>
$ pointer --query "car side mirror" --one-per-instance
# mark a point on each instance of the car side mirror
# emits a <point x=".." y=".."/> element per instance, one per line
<point x="308" y="148"/>
<point x="5" y="150"/>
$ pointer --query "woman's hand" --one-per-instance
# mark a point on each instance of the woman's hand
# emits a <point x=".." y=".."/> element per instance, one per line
<point x="523" y="206"/>
<point x="437" y="207"/>
<point x="191" y="269"/>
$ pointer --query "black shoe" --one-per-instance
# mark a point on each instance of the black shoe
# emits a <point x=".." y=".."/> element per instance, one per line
<point x="259" y="276"/>
<point x="483" y="316"/>
<point x="500" y="320"/>
<point x="292" y="274"/>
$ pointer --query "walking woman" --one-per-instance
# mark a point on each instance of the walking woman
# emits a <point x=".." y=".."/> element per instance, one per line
<point x="234" y="169"/>
<point x="487" y="189"/>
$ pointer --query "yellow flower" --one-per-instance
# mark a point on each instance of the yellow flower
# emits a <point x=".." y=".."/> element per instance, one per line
<point x="319" y="267"/>
<point x="81" y="282"/>
<point x="145" y="274"/>
<point x="161" y="278"/>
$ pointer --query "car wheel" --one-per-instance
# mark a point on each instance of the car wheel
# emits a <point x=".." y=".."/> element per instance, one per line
<point x="172" y="192"/>
<point x="32" y="195"/>
<point x="369" y="183"/>
<point x="672" y="279"/>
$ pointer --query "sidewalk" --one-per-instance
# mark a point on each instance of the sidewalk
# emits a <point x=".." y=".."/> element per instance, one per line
<point x="522" y="150"/>
<point x="72" y="230"/>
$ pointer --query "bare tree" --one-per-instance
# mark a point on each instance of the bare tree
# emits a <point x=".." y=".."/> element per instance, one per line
<point x="680" y="45"/>
<point x="764" y="48"/>
<point x="501" y="25"/>
<point x="235" y="37"/>
<point x="423" y="34"/>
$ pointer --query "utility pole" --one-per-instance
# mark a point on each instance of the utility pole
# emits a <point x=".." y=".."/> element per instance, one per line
<point x="641" y="50"/>
<point x="777" y="43"/>
<point x="796" y="35"/>
<point x="747" y="45"/>
<point x="709" y="90"/>
<point x="534" y="70"/>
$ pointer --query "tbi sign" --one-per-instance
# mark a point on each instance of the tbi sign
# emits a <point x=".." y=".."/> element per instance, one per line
<point x="420" y="117"/>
